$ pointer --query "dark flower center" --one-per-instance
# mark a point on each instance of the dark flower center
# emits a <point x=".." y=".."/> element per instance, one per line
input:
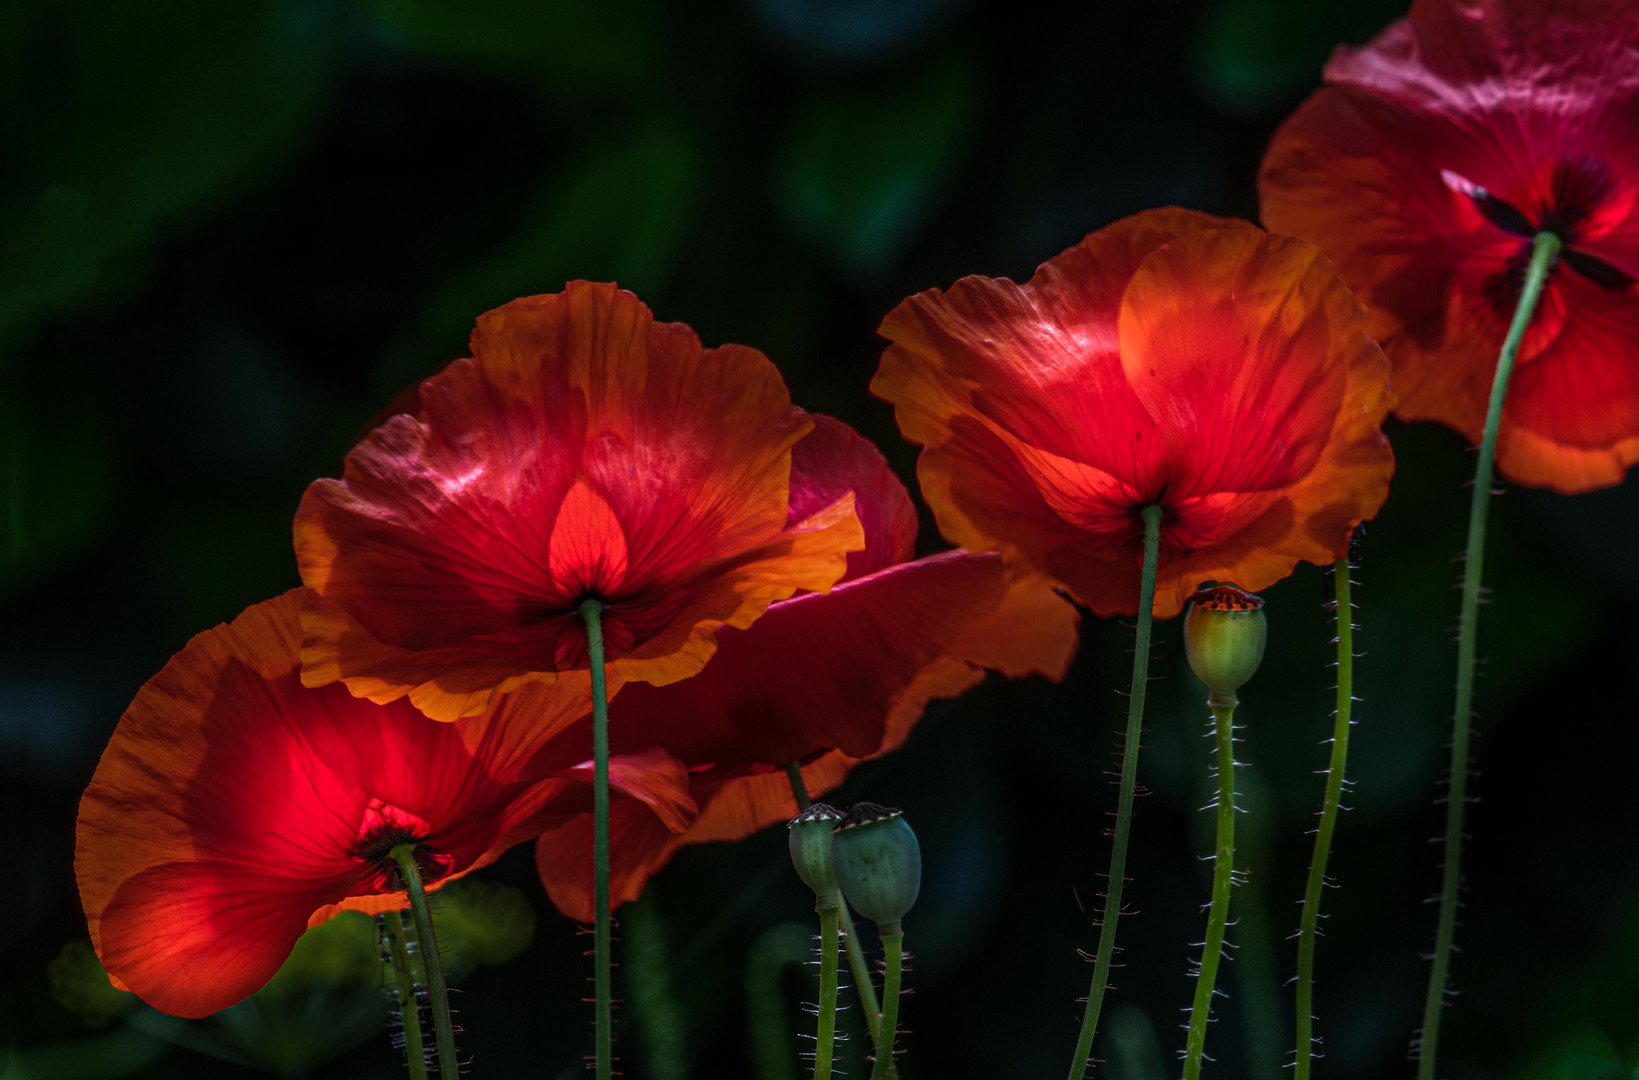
<point x="1575" y="191"/>
<point x="386" y="827"/>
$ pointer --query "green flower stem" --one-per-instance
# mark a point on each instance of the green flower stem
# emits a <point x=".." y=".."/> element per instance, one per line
<point x="603" y="1018"/>
<point x="1309" y="925"/>
<point x="1223" y="878"/>
<point x="443" y="1026"/>
<point x="826" y="1038"/>
<point x="863" y="983"/>
<point x="1124" y="804"/>
<point x="409" y="1009"/>
<point x="1544" y="250"/>
<point x="893" y="948"/>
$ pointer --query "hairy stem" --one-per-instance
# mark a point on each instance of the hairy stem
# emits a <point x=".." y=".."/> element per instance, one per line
<point x="1124" y="804"/>
<point x="409" y="1009"/>
<point x="1309" y="925"/>
<point x="1544" y="250"/>
<point x="1223" y="878"/>
<point x="864" y="985"/>
<point x="432" y="962"/>
<point x="826" y="1036"/>
<point x="591" y="611"/>
<point x="893" y="949"/>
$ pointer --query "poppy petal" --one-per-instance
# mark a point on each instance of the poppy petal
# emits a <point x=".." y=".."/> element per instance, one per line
<point x="235" y="807"/>
<point x="831" y="461"/>
<point x="1269" y="396"/>
<point x="1025" y="632"/>
<point x="585" y="451"/>
<point x="971" y="371"/>
<point x="658" y="807"/>
<point x="1128" y="372"/>
<point x="1423" y="167"/>
<point x="826" y="671"/>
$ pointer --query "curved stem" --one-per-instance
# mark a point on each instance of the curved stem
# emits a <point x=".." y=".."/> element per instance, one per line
<point x="826" y="1036"/>
<point x="1124" y="804"/>
<point x="864" y="985"/>
<point x="1309" y="925"/>
<point x="591" y="611"/>
<point x="1223" y="878"/>
<point x="1544" y="249"/>
<point x="437" y="992"/>
<point x="893" y="948"/>
<point x="409" y="1008"/>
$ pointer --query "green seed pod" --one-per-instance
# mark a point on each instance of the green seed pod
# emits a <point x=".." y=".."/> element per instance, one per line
<point x="810" y="843"/>
<point x="1224" y="635"/>
<point x="878" y="862"/>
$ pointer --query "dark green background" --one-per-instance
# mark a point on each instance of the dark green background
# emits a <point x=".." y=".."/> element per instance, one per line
<point x="230" y="232"/>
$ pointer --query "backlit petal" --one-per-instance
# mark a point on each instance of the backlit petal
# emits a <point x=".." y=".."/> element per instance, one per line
<point x="584" y="452"/>
<point x="234" y="807"/>
<point x="1422" y="167"/>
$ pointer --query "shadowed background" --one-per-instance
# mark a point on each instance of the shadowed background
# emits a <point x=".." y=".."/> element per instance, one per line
<point x="229" y="233"/>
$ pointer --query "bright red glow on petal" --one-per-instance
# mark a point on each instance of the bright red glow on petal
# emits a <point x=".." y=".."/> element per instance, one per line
<point x="587" y="551"/>
<point x="854" y="668"/>
<point x="235" y="807"/>
<point x="585" y="451"/>
<point x="1422" y="169"/>
<point x="1172" y="359"/>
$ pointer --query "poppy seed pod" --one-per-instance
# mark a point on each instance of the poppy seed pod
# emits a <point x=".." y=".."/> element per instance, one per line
<point x="1224" y="635"/>
<point x="878" y="862"/>
<point x="810" y="842"/>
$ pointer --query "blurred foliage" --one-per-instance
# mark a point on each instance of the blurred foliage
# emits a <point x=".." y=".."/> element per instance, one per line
<point x="570" y="47"/>
<point x="862" y="172"/>
<point x="325" y="998"/>
<point x="80" y="985"/>
<point x="230" y="233"/>
<point x="159" y="107"/>
<point x="481" y="924"/>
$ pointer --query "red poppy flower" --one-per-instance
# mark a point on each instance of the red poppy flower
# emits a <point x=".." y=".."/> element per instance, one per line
<point x="585" y="451"/>
<point x="824" y="679"/>
<point x="1171" y="359"/>
<point x="1424" y="167"/>
<point x="234" y="808"/>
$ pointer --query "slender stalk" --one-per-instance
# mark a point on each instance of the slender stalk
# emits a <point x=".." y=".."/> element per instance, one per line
<point x="591" y="611"/>
<point x="864" y="985"/>
<point x="443" y="1026"/>
<point x="1124" y="804"/>
<point x="893" y="948"/>
<point x="1223" y="878"/>
<point x="409" y="1009"/>
<point x="1309" y="925"/>
<point x="799" y="786"/>
<point x="827" y="1034"/>
<point x="1544" y="249"/>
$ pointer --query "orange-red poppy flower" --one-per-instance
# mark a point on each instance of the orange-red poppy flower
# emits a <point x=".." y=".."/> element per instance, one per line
<point x="823" y="679"/>
<point x="1423" y="168"/>
<point x="584" y="452"/>
<point x="1171" y="359"/>
<point x="234" y="807"/>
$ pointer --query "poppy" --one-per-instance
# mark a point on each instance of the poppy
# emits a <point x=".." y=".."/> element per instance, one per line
<point x="1171" y="359"/>
<point x="826" y="680"/>
<point x="234" y="807"/>
<point x="1423" y="168"/>
<point x="585" y="451"/>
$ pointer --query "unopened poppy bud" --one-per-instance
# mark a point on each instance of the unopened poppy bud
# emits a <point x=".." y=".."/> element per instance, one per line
<point x="1224" y="635"/>
<point x="878" y="862"/>
<point x="810" y="843"/>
